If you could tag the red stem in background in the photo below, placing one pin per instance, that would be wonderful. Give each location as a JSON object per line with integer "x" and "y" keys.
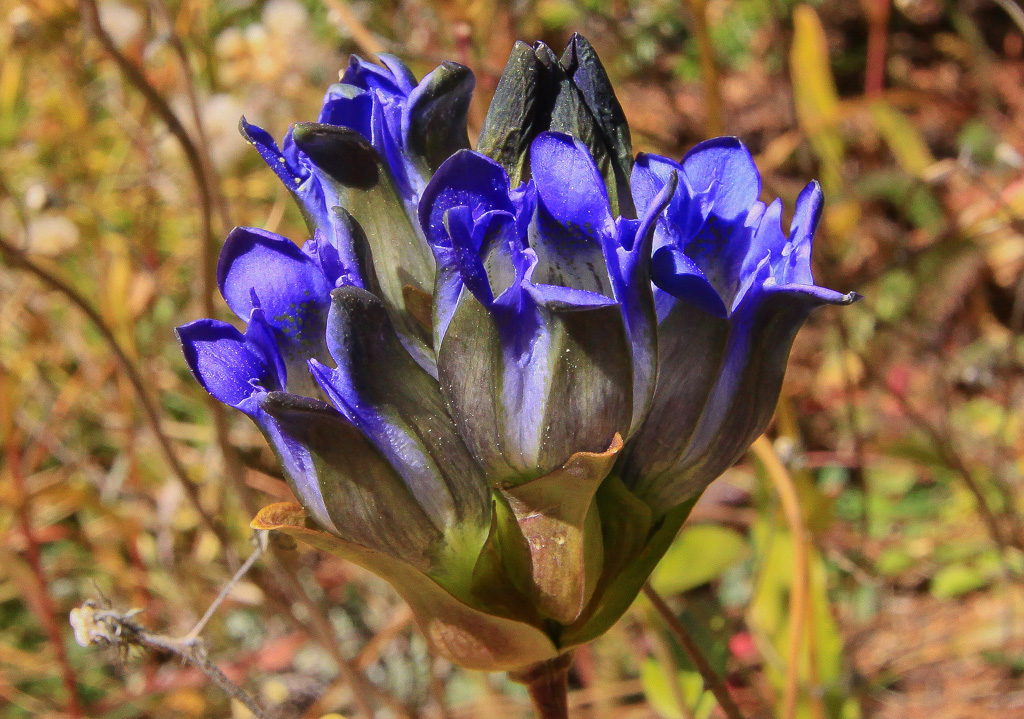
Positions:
{"x": 711, "y": 680}
{"x": 38, "y": 596}
{"x": 877, "y": 12}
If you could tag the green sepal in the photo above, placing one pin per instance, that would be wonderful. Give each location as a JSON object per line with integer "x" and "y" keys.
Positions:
{"x": 501, "y": 577}
{"x": 365, "y": 189}
{"x": 364, "y": 496}
{"x": 537, "y": 92}
{"x": 571, "y": 114}
{"x": 436, "y": 116}
{"x": 584, "y": 68}
{"x": 508, "y": 126}
{"x": 616, "y": 593}
{"x": 458, "y": 632}
{"x": 588, "y": 383}
{"x": 626, "y": 524}
{"x": 387, "y": 387}
{"x": 562, "y": 526}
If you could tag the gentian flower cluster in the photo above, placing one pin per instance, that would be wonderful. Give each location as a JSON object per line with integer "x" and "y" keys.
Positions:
{"x": 501, "y": 378}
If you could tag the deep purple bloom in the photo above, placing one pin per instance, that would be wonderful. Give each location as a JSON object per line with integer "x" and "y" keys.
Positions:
{"x": 536, "y": 297}
{"x": 412, "y": 126}
{"x": 501, "y": 380}
{"x": 731, "y": 290}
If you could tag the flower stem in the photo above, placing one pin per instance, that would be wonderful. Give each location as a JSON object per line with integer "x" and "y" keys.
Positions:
{"x": 548, "y": 684}
{"x": 711, "y": 680}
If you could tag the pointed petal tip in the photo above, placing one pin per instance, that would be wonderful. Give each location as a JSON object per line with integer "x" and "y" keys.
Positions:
{"x": 245, "y": 128}
{"x": 614, "y": 448}
{"x": 816, "y": 294}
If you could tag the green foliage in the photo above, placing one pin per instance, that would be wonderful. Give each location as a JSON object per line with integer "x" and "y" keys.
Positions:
{"x": 701, "y": 553}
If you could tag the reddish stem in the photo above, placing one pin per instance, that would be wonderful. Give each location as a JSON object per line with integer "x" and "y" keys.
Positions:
{"x": 877, "y": 12}
{"x": 548, "y": 684}
{"x": 40, "y": 600}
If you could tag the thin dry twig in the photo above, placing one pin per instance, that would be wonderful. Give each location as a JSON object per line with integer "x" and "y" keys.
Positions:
{"x": 17, "y": 258}
{"x": 90, "y": 13}
{"x": 199, "y": 165}
{"x": 401, "y": 619}
{"x": 96, "y": 623}
{"x": 261, "y": 538}
{"x": 318, "y": 626}
{"x": 943, "y": 447}
{"x": 1012, "y": 9}
{"x": 711, "y": 679}
{"x": 355, "y": 27}
{"x": 877, "y": 12}
{"x": 201, "y": 140}
{"x": 320, "y": 630}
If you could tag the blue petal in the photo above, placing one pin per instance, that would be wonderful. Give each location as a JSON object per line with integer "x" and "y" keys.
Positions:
{"x": 338, "y": 255}
{"x": 631, "y": 279}
{"x": 678, "y": 275}
{"x": 574, "y": 233}
{"x": 813, "y": 294}
{"x": 569, "y": 184}
{"x": 566, "y": 299}
{"x": 261, "y": 269}
{"x": 299, "y": 466}
{"x": 369, "y": 76}
{"x": 243, "y": 371}
{"x": 293, "y": 170}
{"x": 229, "y": 365}
{"x": 290, "y": 286}
{"x": 797, "y": 264}
{"x": 389, "y": 140}
{"x": 767, "y": 243}
{"x": 468, "y": 179}
{"x": 290, "y": 174}
{"x": 402, "y": 75}
{"x": 649, "y": 175}
{"x": 377, "y": 116}
{"x": 682, "y": 217}
{"x": 348, "y": 109}
{"x": 723, "y": 169}
{"x": 722, "y": 174}
{"x": 325, "y": 255}
{"x": 465, "y": 252}
{"x": 500, "y": 239}
{"x": 483, "y": 253}
{"x": 261, "y": 335}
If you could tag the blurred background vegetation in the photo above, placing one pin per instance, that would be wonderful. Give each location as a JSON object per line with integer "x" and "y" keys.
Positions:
{"x": 892, "y": 587}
